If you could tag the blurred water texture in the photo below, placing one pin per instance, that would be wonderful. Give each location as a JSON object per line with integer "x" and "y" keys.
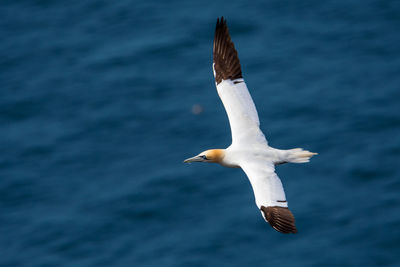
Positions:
{"x": 96, "y": 117}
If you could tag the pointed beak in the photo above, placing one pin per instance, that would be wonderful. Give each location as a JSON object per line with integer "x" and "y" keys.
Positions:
{"x": 194, "y": 159}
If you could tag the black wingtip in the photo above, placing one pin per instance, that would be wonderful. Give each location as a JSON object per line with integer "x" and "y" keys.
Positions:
{"x": 280, "y": 218}
{"x": 221, "y": 20}
{"x": 225, "y": 56}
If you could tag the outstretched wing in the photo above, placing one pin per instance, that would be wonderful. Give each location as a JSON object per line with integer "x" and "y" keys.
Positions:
{"x": 232, "y": 89}
{"x": 269, "y": 195}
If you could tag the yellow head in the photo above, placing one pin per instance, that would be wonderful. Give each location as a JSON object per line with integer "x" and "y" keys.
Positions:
{"x": 212, "y": 156}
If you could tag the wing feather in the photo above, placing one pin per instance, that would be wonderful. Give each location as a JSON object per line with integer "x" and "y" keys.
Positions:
{"x": 269, "y": 195}
{"x": 232, "y": 89}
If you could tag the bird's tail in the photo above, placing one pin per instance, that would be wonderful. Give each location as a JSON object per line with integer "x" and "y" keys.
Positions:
{"x": 298, "y": 155}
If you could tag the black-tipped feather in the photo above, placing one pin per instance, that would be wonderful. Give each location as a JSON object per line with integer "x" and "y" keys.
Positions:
{"x": 225, "y": 56}
{"x": 280, "y": 218}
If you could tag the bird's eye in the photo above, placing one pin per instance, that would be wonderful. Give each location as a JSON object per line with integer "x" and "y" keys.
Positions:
{"x": 203, "y": 157}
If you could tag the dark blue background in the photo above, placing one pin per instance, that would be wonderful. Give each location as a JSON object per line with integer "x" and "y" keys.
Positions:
{"x": 96, "y": 118}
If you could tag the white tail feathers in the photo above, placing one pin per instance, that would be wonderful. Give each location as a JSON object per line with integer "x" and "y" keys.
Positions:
{"x": 298, "y": 155}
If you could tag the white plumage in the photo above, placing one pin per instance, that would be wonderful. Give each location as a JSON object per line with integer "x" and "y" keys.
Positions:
{"x": 249, "y": 149}
{"x": 241, "y": 111}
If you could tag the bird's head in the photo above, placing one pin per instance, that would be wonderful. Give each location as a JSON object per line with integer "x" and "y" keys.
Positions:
{"x": 212, "y": 156}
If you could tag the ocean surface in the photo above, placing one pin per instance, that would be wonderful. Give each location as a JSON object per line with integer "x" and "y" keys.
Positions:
{"x": 101, "y": 101}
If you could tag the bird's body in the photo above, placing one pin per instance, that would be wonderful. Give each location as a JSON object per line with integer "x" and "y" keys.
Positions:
{"x": 249, "y": 149}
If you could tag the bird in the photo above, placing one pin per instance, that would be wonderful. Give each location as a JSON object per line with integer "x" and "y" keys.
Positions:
{"x": 249, "y": 149}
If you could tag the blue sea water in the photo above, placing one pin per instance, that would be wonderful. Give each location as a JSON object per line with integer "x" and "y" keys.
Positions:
{"x": 102, "y": 100}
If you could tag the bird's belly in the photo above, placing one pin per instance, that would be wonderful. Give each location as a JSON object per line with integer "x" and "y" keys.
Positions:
{"x": 235, "y": 155}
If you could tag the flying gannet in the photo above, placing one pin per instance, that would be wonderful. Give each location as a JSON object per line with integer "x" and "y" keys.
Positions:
{"x": 249, "y": 149}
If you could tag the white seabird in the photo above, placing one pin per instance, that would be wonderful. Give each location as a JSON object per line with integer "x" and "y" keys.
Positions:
{"x": 249, "y": 149}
